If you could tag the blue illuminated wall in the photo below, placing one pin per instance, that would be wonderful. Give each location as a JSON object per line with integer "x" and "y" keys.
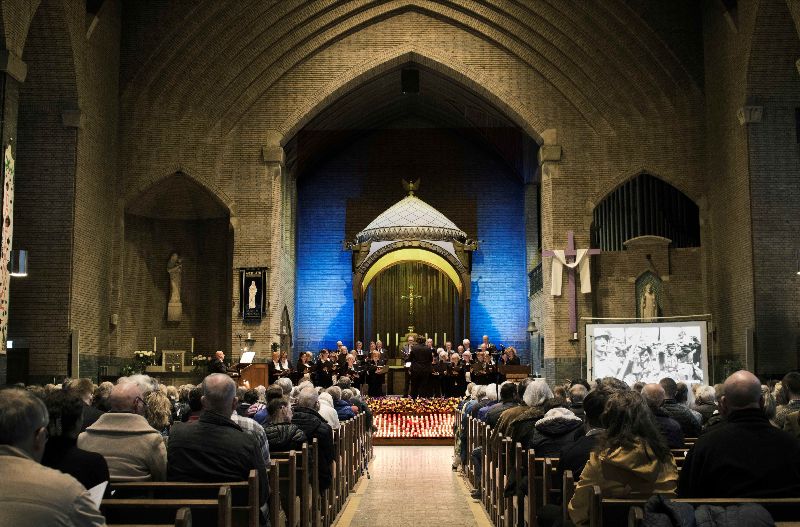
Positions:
{"x": 468, "y": 184}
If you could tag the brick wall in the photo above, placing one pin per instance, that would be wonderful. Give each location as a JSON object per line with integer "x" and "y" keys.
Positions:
{"x": 468, "y": 185}
{"x": 96, "y": 194}
{"x": 774, "y": 146}
{"x": 203, "y": 245}
{"x": 44, "y": 196}
{"x": 728, "y": 219}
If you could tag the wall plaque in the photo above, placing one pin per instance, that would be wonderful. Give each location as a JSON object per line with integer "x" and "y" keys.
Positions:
{"x": 252, "y": 294}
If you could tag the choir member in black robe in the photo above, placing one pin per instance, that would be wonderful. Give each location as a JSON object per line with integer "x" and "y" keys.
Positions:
{"x": 480, "y": 371}
{"x": 324, "y": 370}
{"x": 274, "y": 369}
{"x": 376, "y": 374}
{"x": 456, "y": 383}
{"x": 304, "y": 367}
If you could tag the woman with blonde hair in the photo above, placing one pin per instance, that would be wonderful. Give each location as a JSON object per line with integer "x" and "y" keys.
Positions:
{"x": 158, "y": 412}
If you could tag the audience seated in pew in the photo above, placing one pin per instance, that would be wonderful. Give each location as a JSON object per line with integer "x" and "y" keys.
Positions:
{"x": 577, "y": 393}
{"x": 133, "y": 449}
{"x": 554, "y": 431}
{"x": 631, "y": 456}
{"x": 32, "y": 495}
{"x": 690, "y": 425}
{"x": 575, "y": 455}
{"x": 282, "y": 434}
{"x": 654, "y": 396}
{"x": 215, "y": 449}
{"x": 313, "y": 425}
{"x": 743, "y": 456}
{"x": 62, "y": 453}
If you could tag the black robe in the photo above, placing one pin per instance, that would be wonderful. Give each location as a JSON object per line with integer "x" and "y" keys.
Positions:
{"x": 421, "y": 359}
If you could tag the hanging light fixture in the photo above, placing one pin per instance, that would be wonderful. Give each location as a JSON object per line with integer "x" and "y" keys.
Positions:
{"x": 18, "y": 264}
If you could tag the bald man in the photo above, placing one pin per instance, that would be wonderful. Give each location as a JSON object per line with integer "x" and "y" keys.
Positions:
{"x": 744, "y": 456}
{"x": 133, "y": 450}
{"x": 215, "y": 449}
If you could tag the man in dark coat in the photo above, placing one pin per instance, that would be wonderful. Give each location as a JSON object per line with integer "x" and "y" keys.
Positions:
{"x": 214, "y": 448}
{"x": 744, "y": 456}
{"x": 313, "y": 425}
{"x": 654, "y": 397}
{"x": 508, "y": 400}
{"x": 690, "y": 426}
{"x": 574, "y": 457}
{"x": 421, "y": 358}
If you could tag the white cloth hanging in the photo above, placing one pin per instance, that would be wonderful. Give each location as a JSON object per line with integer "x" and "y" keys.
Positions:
{"x": 581, "y": 262}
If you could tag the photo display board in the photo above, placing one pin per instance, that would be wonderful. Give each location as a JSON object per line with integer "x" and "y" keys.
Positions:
{"x": 648, "y": 352}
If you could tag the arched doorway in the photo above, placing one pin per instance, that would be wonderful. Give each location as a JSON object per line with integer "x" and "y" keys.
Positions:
{"x": 412, "y": 296}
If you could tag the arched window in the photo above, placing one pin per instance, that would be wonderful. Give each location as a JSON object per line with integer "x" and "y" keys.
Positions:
{"x": 642, "y": 206}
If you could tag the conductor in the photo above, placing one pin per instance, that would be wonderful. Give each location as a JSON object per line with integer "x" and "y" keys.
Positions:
{"x": 421, "y": 358}
{"x": 217, "y": 364}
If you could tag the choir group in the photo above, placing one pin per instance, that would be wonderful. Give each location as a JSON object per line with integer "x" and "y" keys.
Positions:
{"x": 451, "y": 369}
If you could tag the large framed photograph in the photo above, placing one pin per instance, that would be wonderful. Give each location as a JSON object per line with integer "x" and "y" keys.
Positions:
{"x": 252, "y": 293}
{"x": 648, "y": 352}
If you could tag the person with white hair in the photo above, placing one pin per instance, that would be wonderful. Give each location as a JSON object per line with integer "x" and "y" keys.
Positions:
{"x": 145, "y": 383}
{"x": 536, "y": 396}
{"x": 133, "y": 449}
{"x": 467, "y": 348}
{"x": 286, "y": 385}
{"x": 705, "y": 402}
{"x": 307, "y": 418}
{"x": 327, "y": 410}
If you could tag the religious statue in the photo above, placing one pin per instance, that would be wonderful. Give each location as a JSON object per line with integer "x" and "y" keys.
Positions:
{"x": 251, "y": 295}
{"x": 648, "y": 306}
{"x": 174, "y": 269}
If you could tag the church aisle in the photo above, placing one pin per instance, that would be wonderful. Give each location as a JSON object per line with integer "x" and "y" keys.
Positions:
{"x": 412, "y": 486}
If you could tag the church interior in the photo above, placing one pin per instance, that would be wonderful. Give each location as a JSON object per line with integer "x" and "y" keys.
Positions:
{"x": 193, "y": 177}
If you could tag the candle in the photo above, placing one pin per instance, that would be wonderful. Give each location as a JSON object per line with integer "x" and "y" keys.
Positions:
{"x": 192, "y": 348}
{"x": 249, "y": 335}
{"x": 378, "y": 337}
{"x": 387, "y": 338}
{"x": 396, "y": 339}
{"x": 426, "y": 336}
{"x": 444, "y": 337}
{"x": 435, "y": 339}
{"x": 154, "y": 344}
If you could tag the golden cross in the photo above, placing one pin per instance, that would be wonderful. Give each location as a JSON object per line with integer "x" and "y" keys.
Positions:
{"x": 410, "y": 297}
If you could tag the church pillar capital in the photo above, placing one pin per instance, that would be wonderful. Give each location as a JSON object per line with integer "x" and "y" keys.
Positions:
{"x": 749, "y": 114}
{"x": 12, "y": 65}
{"x": 549, "y": 154}
{"x": 272, "y": 152}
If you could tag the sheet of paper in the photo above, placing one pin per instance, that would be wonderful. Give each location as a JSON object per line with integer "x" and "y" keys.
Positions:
{"x": 97, "y": 492}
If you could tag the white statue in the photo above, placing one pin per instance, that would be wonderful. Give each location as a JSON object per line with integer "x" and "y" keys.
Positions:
{"x": 648, "y": 306}
{"x": 174, "y": 269}
{"x": 252, "y": 290}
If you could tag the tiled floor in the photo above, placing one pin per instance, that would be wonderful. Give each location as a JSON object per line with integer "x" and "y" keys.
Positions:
{"x": 412, "y": 486}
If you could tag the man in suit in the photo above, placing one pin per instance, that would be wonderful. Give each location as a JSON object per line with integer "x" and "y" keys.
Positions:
{"x": 421, "y": 358}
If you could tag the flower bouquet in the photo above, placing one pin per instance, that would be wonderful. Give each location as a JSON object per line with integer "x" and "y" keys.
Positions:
{"x": 199, "y": 362}
{"x": 142, "y": 359}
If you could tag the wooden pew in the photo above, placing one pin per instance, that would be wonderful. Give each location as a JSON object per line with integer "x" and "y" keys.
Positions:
{"x": 567, "y": 491}
{"x": 183, "y": 518}
{"x": 145, "y": 511}
{"x": 286, "y": 465}
{"x": 244, "y": 494}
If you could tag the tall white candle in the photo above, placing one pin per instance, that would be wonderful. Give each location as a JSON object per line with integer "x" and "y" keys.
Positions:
{"x": 249, "y": 335}
{"x": 154, "y": 344}
{"x": 192, "y": 350}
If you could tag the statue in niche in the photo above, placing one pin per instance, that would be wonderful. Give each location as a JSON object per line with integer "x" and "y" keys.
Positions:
{"x": 174, "y": 269}
{"x": 251, "y": 295}
{"x": 648, "y": 305}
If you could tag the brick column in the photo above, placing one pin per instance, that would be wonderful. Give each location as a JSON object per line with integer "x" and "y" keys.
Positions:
{"x": 562, "y": 210}
{"x": 12, "y": 74}
{"x": 254, "y": 242}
